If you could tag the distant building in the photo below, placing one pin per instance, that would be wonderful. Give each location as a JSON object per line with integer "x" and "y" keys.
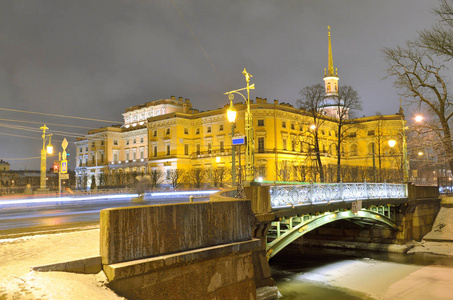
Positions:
{"x": 4, "y": 165}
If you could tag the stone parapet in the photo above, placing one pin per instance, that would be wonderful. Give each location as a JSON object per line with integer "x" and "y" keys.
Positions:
{"x": 146, "y": 231}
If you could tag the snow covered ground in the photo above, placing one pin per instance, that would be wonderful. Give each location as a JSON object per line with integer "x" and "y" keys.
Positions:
{"x": 19, "y": 254}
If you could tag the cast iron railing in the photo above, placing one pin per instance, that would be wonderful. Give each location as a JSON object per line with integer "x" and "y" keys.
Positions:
{"x": 314, "y": 193}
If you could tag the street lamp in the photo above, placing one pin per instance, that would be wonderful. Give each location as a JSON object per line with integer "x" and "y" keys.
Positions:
{"x": 44, "y": 151}
{"x": 250, "y": 145}
{"x": 404, "y": 163}
{"x": 392, "y": 143}
{"x": 418, "y": 118}
{"x": 231, "y": 114}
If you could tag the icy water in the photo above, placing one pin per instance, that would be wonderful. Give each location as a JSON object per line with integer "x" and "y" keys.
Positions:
{"x": 308, "y": 274}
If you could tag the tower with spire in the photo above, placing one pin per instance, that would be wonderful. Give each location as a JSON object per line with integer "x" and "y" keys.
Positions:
{"x": 330, "y": 107}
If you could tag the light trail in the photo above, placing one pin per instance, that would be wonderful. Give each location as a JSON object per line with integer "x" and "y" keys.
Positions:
{"x": 188, "y": 193}
{"x": 64, "y": 199}
{"x": 98, "y": 197}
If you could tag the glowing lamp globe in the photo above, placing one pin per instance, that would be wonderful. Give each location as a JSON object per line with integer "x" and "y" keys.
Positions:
{"x": 231, "y": 113}
{"x": 392, "y": 143}
{"x": 49, "y": 149}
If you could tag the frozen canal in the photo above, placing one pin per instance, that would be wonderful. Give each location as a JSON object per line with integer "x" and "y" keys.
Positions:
{"x": 329, "y": 274}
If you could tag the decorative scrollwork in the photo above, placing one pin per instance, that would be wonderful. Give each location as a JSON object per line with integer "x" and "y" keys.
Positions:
{"x": 284, "y": 195}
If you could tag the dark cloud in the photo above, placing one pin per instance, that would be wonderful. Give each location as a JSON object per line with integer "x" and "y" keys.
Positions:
{"x": 94, "y": 58}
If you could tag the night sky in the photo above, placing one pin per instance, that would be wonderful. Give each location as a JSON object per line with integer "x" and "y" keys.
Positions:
{"x": 92, "y": 59}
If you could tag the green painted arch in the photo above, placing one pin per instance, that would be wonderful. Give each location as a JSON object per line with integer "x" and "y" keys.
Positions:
{"x": 284, "y": 240}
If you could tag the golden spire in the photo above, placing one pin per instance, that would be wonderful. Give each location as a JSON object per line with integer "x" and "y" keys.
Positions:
{"x": 330, "y": 69}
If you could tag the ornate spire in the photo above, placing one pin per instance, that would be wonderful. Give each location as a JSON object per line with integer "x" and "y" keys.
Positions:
{"x": 330, "y": 68}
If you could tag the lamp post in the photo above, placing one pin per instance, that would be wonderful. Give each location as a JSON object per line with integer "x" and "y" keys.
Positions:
{"x": 231, "y": 114}
{"x": 44, "y": 151}
{"x": 405, "y": 160}
{"x": 250, "y": 144}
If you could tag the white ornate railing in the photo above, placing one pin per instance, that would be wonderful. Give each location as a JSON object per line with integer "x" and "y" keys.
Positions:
{"x": 284, "y": 195}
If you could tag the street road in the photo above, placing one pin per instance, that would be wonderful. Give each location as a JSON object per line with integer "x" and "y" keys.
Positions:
{"x": 43, "y": 214}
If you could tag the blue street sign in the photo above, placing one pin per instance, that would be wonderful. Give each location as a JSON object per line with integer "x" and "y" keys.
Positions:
{"x": 239, "y": 140}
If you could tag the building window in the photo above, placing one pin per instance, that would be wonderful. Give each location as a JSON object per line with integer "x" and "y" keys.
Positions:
{"x": 186, "y": 149}
{"x": 260, "y": 144}
{"x": 353, "y": 150}
{"x": 92, "y": 144}
{"x": 80, "y": 161}
{"x": 168, "y": 174}
{"x": 134, "y": 154}
{"x": 155, "y": 151}
{"x": 168, "y": 149}
{"x": 209, "y": 147}
{"x": 102, "y": 143}
{"x": 198, "y": 149}
{"x": 141, "y": 139}
{"x": 293, "y": 145}
{"x": 186, "y": 130}
{"x": 127, "y": 155}
{"x": 115, "y": 157}
{"x": 102, "y": 157}
{"x": 352, "y": 134}
{"x": 115, "y": 142}
{"x": 283, "y": 124}
{"x": 155, "y": 133}
{"x": 127, "y": 142}
{"x": 222, "y": 146}
{"x": 370, "y": 132}
{"x": 142, "y": 153}
{"x": 208, "y": 130}
{"x": 167, "y": 132}
{"x": 134, "y": 141}
{"x": 92, "y": 159}
{"x": 86, "y": 148}
{"x": 221, "y": 127}
{"x": 262, "y": 171}
{"x": 371, "y": 148}
{"x": 323, "y": 132}
{"x": 80, "y": 149}
{"x": 261, "y": 122}
{"x": 284, "y": 144}
{"x": 292, "y": 126}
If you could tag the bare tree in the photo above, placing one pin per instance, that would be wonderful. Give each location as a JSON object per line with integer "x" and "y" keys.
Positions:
{"x": 175, "y": 176}
{"x": 197, "y": 176}
{"x": 439, "y": 38}
{"x": 285, "y": 168}
{"x": 219, "y": 175}
{"x": 156, "y": 177}
{"x": 422, "y": 80}
{"x": 347, "y": 103}
{"x": 312, "y": 101}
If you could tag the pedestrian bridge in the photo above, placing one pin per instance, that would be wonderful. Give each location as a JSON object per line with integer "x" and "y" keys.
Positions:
{"x": 303, "y": 208}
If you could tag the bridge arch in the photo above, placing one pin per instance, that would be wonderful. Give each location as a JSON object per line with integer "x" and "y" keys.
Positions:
{"x": 296, "y": 232}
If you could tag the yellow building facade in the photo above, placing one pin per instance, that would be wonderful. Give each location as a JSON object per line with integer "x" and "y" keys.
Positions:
{"x": 283, "y": 144}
